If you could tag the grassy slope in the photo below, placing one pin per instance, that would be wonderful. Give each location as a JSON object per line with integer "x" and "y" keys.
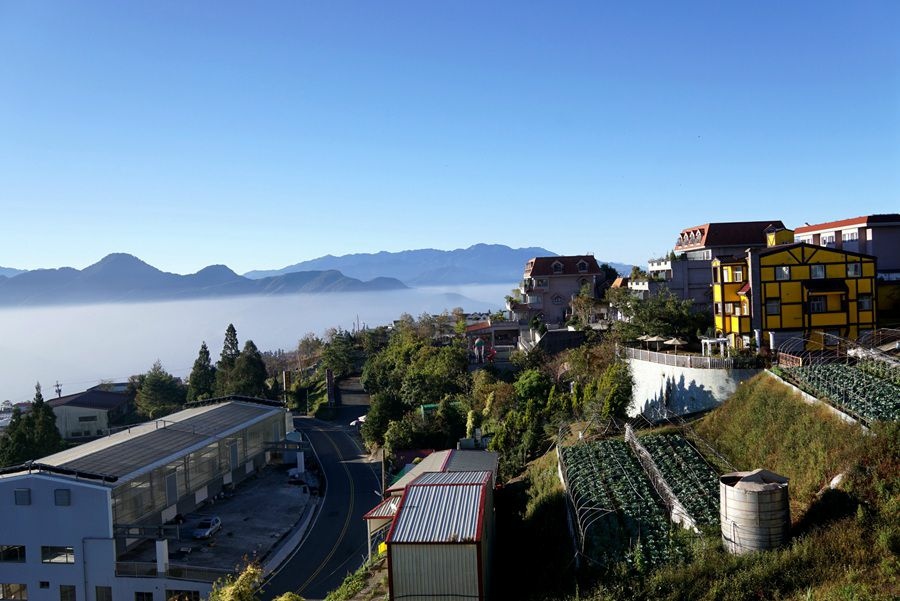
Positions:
{"x": 764, "y": 424}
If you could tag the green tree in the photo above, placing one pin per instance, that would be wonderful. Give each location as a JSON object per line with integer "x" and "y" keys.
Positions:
{"x": 202, "y": 381}
{"x": 339, "y": 354}
{"x": 32, "y": 435}
{"x": 159, "y": 392}
{"x": 248, "y": 376}
{"x": 230, "y": 353}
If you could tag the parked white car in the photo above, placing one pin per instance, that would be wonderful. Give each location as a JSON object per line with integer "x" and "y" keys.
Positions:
{"x": 207, "y": 527}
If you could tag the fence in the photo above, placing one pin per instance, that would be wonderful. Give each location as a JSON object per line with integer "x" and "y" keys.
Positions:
{"x": 696, "y": 361}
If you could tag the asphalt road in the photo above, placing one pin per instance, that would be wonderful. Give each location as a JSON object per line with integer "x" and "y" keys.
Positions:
{"x": 335, "y": 545}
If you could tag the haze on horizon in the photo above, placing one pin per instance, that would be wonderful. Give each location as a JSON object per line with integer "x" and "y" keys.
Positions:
{"x": 191, "y": 134}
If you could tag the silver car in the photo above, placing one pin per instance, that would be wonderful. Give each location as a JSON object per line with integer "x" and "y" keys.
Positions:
{"x": 207, "y": 527}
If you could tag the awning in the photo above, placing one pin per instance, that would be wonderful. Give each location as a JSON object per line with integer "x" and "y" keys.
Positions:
{"x": 745, "y": 289}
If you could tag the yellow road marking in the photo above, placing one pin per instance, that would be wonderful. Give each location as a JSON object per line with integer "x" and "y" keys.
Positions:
{"x": 340, "y": 538}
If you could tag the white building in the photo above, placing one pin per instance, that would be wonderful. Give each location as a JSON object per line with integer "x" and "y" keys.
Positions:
{"x": 68, "y": 517}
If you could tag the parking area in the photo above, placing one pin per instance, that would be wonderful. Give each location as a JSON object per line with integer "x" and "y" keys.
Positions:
{"x": 255, "y": 518}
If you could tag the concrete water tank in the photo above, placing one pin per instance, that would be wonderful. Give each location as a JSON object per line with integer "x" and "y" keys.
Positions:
{"x": 754, "y": 510}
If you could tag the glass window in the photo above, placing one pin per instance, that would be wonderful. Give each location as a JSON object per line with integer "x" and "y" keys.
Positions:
{"x": 62, "y": 496}
{"x": 67, "y": 592}
{"x": 773, "y": 307}
{"x": 729, "y": 309}
{"x": 103, "y": 593}
{"x": 818, "y": 304}
{"x": 57, "y": 555}
{"x": 557, "y": 267}
{"x": 143, "y": 596}
{"x": 13, "y": 591}
{"x": 854, "y": 270}
{"x": 817, "y": 272}
{"x": 738, "y": 274}
{"x": 865, "y": 302}
{"x": 23, "y": 496}
{"x": 716, "y": 275}
{"x": 849, "y": 236}
{"x": 783, "y": 272}
{"x": 87, "y": 418}
{"x": 582, "y": 266}
{"x": 12, "y": 553}
{"x": 718, "y": 308}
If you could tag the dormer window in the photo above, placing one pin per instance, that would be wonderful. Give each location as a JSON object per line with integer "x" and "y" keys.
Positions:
{"x": 557, "y": 267}
{"x": 557, "y": 299}
{"x": 582, "y": 266}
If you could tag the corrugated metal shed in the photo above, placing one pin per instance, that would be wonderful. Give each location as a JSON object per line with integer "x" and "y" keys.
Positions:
{"x": 439, "y": 514}
{"x": 450, "y": 461}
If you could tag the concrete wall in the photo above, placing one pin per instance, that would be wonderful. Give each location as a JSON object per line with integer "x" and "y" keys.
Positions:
{"x": 681, "y": 389}
{"x": 44, "y": 523}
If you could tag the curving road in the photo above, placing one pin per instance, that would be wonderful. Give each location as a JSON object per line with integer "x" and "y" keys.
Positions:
{"x": 336, "y": 542}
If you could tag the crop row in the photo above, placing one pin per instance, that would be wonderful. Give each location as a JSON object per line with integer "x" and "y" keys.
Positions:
{"x": 870, "y": 397}
{"x": 606, "y": 474}
{"x": 880, "y": 369}
{"x": 689, "y": 476}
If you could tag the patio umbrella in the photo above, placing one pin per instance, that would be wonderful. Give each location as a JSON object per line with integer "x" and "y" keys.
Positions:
{"x": 656, "y": 339}
{"x": 676, "y": 342}
{"x": 643, "y": 338}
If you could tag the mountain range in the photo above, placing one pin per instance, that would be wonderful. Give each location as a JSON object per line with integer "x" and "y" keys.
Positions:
{"x": 121, "y": 277}
{"x": 478, "y": 264}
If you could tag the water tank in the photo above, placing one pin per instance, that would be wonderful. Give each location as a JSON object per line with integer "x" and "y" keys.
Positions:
{"x": 754, "y": 510}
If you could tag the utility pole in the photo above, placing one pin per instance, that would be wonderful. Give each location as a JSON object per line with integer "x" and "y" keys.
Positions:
{"x": 58, "y": 388}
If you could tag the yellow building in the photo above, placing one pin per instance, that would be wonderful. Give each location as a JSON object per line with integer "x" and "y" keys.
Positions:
{"x": 795, "y": 290}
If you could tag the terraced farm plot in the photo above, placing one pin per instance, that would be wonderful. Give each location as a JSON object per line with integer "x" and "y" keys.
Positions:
{"x": 859, "y": 393}
{"x": 605, "y": 474}
{"x": 689, "y": 476}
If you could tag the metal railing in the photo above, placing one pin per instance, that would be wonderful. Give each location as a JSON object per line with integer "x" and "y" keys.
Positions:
{"x": 140, "y": 569}
{"x": 686, "y": 360}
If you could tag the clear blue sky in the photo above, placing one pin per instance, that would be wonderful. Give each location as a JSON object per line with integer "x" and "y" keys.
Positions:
{"x": 261, "y": 134}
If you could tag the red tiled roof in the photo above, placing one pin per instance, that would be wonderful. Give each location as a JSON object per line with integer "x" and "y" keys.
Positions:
{"x": 476, "y": 327}
{"x": 857, "y": 221}
{"x": 729, "y": 234}
{"x": 544, "y": 266}
{"x": 744, "y": 289}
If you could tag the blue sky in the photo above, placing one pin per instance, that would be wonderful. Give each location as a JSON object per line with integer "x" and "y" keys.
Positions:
{"x": 261, "y": 134}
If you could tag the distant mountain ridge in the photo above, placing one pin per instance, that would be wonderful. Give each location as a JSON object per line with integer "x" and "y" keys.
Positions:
{"x": 124, "y": 278}
{"x": 10, "y": 272}
{"x": 478, "y": 264}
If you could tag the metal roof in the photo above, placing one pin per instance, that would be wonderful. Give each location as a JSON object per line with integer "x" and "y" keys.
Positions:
{"x": 385, "y": 509}
{"x": 129, "y": 453}
{"x": 439, "y": 514}
{"x": 450, "y": 461}
{"x": 435, "y": 478}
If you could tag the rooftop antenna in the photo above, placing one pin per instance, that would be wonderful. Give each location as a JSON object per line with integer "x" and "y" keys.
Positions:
{"x": 58, "y": 388}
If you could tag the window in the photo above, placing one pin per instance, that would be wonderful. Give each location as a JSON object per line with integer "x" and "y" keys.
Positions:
{"x": 865, "y": 302}
{"x": 57, "y": 555}
{"x": 817, "y": 272}
{"x": 729, "y": 309}
{"x": 66, "y": 592}
{"x": 182, "y": 595}
{"x": 715, "y": 275}
{"x": 557, "y": 267}
{"x": 582, "y": 266}
{"x": 87, "y": 418}
{"x": 828, "y": 240}
{"x": 12, "y": 553}
{"x": 718, "y": 308}
{"x": 103, "y": 593}
{"x": 854, "y": 270}
{"x": 783, "y": 272}
{"x": 818, "y": 304}
{"x": 557, "y": 300}
{"x": 62, "y": 497}
{"x": 13, "y": 591}
{"x": 23, "y": 496}
{"x": 850, "y": 236}
{"x": 142, "y": 596}
{"x": 773, "y": 307}
{"x": 738, "y": 274}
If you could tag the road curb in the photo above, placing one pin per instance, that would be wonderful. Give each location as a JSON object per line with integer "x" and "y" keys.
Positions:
{"x": 292, "y": 541}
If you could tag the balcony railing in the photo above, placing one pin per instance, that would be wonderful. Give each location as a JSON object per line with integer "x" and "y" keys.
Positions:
{"x": 139, "y": 569}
